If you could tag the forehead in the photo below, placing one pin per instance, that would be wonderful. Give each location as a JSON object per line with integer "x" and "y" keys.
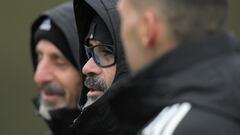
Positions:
{"x": 46, "y": 46}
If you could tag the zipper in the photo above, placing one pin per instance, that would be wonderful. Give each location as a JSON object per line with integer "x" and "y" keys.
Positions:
{"x": 77, "y": 120}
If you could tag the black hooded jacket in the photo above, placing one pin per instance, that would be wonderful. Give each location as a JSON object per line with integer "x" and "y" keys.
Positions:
{"x": 97, "y": 118}
{"x": 204, "y": 73}
{"x": 63, "y": 17}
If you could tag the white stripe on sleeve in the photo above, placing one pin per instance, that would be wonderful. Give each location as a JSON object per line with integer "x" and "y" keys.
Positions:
{"x": 172, "y": 125}
{"x": 167, "y": 120}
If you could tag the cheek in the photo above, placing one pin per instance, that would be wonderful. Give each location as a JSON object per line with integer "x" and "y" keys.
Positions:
{"x": 126, "y": 27}
{"x": 74, "y": 86}
{"x": 126, "y": 37}
{"x": 71, "y": 84}
{"x": 129, "y": 36}
{"x": 110, "y": 75}
{"x": 130, "y": 28}
{"x": 124, "y": 31}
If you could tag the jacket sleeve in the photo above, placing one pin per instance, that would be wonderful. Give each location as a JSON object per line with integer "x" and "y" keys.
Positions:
{"x": 184, "y": 119}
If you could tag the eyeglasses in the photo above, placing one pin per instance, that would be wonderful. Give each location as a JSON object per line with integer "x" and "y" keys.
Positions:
{"x": 103, "y": 54}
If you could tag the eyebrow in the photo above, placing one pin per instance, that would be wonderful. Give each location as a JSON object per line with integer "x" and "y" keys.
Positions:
{"x": 51, "y": 55}
{"x": 94, "y": 42}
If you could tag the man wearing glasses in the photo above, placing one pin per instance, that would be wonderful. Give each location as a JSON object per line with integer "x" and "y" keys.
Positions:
{"x": 99, "y": 33}
{"x": 100, "y": 68}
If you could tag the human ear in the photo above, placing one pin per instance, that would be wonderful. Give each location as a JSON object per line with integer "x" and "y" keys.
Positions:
{"x": 148, "y": 29}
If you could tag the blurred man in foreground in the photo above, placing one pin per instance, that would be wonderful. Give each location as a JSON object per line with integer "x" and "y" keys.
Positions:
{"x": 185, "y": 69}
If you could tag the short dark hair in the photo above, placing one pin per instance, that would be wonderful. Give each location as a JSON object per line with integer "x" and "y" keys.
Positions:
{"x": 190, "y": 18}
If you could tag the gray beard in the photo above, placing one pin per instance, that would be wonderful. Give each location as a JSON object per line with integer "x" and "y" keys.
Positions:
{"x": 95, "y": 83}
{"x": 45, "y": 108}
{"x": 90, "y": 100}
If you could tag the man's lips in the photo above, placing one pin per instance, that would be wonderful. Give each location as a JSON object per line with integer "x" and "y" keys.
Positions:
{"x": 51, "y": 97}
{"x": 94, "y": 93}
{"x": 53, "y": 92}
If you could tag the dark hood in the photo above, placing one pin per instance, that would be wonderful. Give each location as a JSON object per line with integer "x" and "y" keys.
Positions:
{"x": 63, "y": 17}
{"x": 85, "y": 10}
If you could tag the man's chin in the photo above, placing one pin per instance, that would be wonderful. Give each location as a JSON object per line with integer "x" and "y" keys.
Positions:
{"x": 91, "y": 100}
{"x": 46, "y": 107}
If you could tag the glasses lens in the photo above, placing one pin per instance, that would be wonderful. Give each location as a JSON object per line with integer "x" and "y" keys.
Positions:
{"x": 103, "y": 55}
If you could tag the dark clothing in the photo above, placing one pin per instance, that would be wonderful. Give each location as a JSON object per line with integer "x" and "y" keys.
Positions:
{"x": 61, "y": 120}
{"x": 97, "y": 119}
{"x": 84, "y": 11}
{"x": 50, "y": 31}
{"x": 200, "y": 77}
{"x": 63, "y": 17}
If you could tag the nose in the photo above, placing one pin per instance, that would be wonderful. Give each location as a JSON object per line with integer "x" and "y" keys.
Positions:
{"x": 43, "y": 73}
{"x": 91, "y": 68}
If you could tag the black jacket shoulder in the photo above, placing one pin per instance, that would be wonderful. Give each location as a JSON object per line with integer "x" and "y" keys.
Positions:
{"x": 204, "y": 73}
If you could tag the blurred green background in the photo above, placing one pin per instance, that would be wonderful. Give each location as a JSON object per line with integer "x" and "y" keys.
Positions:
{"x": 17, "y": 88}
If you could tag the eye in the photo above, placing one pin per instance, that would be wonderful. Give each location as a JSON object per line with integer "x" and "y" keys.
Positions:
{"x": 59, "y": 60}
{"x": 103, "y": 50}
{"x": 107, "y": 51}
{"x": 39, "y": 56}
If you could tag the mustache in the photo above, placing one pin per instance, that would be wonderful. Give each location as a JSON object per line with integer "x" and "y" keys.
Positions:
{"x": 52, "y": 88}
{"x": 95, "y": 83}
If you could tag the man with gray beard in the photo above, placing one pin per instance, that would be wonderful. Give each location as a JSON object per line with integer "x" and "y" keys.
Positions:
{"x": 100, "y": 68}
{"x": 94, "y": 83}
{"x": 54, "y": 45}
{"x": 99, "y": 34}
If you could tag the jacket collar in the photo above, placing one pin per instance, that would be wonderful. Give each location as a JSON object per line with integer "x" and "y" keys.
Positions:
{"x": 191, "y": 53}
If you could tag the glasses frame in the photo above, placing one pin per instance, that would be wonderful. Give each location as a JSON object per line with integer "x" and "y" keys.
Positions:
{"x": 89, "y": 50}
